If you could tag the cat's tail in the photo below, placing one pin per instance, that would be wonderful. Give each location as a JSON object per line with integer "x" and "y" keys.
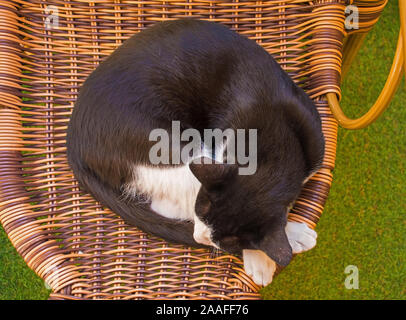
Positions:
{"x": 136, "y": 213}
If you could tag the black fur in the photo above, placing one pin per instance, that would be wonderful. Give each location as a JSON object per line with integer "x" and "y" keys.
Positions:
{"x": 205, "y": 76}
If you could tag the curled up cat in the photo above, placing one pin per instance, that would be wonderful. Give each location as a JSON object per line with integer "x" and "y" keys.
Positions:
{"x": 187, "y": 78}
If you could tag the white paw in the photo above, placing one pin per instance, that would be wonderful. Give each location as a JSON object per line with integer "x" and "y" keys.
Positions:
{"x": 259, "y": 266}
{"x": 301, "y": 237}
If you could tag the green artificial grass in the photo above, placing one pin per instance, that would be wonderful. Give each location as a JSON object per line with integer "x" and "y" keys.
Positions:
{"x": 17, "y": 281}
{"x": 363, "y": 223}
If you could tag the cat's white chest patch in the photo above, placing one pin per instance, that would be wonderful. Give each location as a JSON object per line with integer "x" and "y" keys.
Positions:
{"x": 171, "y": 190}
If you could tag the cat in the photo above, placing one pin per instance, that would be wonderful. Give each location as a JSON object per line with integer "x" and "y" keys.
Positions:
{"x": 205, "y": 76}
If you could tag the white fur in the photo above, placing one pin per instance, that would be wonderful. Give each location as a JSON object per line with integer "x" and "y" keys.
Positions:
{"x": 202, "y": 233}
{"x": 259, "y": 266}
{"x": 301, "y": 237}
{"x": 172, "y": 190}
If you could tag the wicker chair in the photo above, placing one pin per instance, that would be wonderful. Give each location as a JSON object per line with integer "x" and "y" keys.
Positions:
{"x": 81, "y": 249}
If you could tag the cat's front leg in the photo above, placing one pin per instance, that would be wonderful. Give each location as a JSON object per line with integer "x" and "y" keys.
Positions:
{"x": 259, "y": 266}
{"x": 301, "y": 237}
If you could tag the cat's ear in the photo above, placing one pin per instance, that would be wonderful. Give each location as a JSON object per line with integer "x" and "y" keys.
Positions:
{"x": 211, "y": 173}
{"x": 276, "y": 245}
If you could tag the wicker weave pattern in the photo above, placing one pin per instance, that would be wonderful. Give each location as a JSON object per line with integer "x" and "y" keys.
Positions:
{"x": 80, "y": 248}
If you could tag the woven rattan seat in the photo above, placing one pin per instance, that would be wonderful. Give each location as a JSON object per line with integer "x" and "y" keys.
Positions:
{"x": 81, "y": 249}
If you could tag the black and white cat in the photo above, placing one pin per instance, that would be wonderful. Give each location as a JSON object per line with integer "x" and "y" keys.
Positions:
{"x": 204, "y": 76}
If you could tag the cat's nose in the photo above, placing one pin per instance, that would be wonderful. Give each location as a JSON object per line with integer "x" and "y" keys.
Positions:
{"x": 230, "y": 244}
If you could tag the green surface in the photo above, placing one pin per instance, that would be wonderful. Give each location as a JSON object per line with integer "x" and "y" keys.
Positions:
{"x": 364, "y": 220}
{"x": 17, "y": 281}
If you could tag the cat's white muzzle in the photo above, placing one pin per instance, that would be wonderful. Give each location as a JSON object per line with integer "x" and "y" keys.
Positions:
{"x": 202, "y": 233}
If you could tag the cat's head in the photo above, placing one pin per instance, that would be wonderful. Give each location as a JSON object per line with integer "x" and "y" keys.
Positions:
{"x": 244, "y": 212}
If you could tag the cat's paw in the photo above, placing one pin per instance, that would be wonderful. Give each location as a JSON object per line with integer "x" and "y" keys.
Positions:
{"x": 301, "y": 237}
{"x": 259, "y": 266}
